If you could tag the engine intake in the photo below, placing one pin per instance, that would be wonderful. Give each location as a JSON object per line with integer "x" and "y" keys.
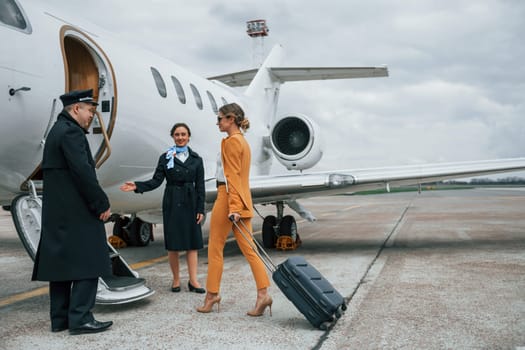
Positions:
{"x": 295, "y": 141}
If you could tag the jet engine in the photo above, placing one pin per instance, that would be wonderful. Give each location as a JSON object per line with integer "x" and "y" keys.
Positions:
{"x": 296, "y": 142}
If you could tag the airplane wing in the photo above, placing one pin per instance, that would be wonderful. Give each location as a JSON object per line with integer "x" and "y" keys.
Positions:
{"x": 285, "y": 74}
{"x": 290, "y": 187}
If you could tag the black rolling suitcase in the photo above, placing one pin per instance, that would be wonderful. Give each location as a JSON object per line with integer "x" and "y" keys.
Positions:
{"x": 304, "y": 286}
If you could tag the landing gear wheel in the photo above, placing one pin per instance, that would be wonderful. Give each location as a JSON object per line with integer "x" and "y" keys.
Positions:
{"x": 118, "y": 227}
{"x": 145, "y": 233}
{"x": 139, "y": 232}
{"x": 268, "y": 232}
{"x": 288, "y": 227}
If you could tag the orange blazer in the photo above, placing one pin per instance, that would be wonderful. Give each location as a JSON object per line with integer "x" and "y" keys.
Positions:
{"x": 236, "y": 160}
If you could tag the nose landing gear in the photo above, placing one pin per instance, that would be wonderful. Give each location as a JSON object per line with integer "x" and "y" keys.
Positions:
{"x": 133, "y": 231}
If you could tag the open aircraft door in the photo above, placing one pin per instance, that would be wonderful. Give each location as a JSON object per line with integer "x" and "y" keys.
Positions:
{"x": 86, "y": 66}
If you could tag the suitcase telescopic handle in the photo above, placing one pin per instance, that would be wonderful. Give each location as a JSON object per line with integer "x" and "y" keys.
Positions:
{"x": 255, "y": 245}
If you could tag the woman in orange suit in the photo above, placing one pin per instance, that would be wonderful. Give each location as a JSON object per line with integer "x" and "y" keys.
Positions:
{"x": 233, "y": 199}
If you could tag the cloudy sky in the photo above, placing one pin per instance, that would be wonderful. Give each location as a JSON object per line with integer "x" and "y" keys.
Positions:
{"x": 456, "y": 89}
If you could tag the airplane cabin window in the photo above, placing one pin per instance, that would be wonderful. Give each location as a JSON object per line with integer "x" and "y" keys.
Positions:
{"x": 161, "y": 86}
{"x": 179, "y": 89}
{"x": 213, "y": 103}
{"x": 198, "y": 99}
{"x": 11, "y": 15}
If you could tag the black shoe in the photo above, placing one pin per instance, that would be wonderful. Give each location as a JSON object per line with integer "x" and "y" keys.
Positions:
{"x": 58, "y": 329}
{"x": 91, "y": 327}
{"x": 175, "y": 289}
{"x": 195, "y": 289}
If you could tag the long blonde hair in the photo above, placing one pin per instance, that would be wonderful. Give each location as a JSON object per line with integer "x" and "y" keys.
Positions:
{"x": 234, "y": 110}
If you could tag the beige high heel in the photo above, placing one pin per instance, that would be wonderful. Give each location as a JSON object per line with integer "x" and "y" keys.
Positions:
{"x": 260, "y": 306}
{"x": 208, "y": 304}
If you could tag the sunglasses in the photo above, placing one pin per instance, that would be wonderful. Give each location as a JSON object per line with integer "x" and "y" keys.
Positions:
{"x": 220, "y": 118}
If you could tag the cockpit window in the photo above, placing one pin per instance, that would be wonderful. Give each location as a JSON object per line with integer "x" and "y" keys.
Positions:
{"x": 159, "y": 82}
{"x": 11, "y": 15}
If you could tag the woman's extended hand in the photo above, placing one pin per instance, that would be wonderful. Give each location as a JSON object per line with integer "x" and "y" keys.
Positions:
{"x": 128, "y": 187}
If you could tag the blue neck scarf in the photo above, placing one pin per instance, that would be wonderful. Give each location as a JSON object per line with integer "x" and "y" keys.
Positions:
{"x": 171, "y": 152}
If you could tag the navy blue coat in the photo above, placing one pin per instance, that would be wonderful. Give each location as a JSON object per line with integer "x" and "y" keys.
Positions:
{"x": 73, "y": 240}
{"x": 183, "y": 199}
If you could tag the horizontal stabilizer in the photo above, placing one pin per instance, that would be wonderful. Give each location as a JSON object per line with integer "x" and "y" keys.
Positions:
{"x": 236, "y": 79}
{"x": 285, "y": 74}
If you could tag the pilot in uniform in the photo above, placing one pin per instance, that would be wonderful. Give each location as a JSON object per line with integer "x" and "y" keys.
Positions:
{"x": 72, "y": 253}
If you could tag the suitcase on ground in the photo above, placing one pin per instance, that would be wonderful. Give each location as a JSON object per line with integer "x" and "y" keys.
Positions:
{"x": 304, "y": 286}
{"x": 309, "y": 291}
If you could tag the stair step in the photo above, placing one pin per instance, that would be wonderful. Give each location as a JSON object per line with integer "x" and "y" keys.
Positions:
{"x": 122, "y": 282}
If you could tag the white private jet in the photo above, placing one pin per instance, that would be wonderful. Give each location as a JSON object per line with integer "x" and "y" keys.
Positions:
{"x": 141, "y": 95}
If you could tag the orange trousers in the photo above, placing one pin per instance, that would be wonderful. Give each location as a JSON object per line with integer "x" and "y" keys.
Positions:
{"x": 220, "y": 227}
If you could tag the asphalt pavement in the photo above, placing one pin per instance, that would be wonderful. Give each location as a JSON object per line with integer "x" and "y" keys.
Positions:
{"x": 439, "y": 270}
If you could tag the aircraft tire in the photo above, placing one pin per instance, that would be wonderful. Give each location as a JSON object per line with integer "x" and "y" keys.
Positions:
{"x": 139, "y": 232}
{"x": 118, "y": 227}
{"x": 288, "y": 227}
{"x": 145, "y": 233}
{"x": 268, "y": 232}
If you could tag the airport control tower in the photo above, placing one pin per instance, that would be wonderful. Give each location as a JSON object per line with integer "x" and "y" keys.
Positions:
{"x": 257, "y": 30}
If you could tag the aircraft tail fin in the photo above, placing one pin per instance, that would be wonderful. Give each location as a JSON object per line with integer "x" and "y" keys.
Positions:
{"x": 263, "y": 85}
{"x": 246, "y": 77}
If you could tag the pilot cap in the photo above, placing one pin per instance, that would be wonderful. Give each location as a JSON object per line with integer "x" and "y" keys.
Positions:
{"x": 77, "y": 96}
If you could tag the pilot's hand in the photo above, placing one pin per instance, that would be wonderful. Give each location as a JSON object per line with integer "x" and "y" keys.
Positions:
{"x": 105, "y": 215}
{"x": 235, "y": 217}
{"x": 128, "y": 187}
{"x": 200, "y": 217}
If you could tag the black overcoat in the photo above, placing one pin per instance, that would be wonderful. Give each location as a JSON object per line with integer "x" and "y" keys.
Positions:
{"x": 73, "y": 240}
{"x": 183, "y": 199}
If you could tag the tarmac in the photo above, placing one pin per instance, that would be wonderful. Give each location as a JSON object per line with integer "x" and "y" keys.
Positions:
{"x": 436, "y": 270}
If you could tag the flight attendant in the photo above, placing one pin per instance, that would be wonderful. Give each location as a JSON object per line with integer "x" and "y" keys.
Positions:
{"x": 233, "y": 200}
{"x": 182, "y": 204}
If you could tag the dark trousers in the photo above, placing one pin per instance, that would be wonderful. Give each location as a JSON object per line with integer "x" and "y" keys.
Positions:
{"x": 71, "y": 302}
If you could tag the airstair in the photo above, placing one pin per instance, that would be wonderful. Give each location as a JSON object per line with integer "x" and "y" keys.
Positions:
{"x": 123, "y": 286}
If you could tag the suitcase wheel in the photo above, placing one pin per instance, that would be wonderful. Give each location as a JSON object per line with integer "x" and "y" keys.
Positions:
{"x": 338, "y": 313}
{"x": 324, "y": 326}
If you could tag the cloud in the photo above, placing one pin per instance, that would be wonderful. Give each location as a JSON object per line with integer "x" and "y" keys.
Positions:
{"x": 456, "y": 84}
